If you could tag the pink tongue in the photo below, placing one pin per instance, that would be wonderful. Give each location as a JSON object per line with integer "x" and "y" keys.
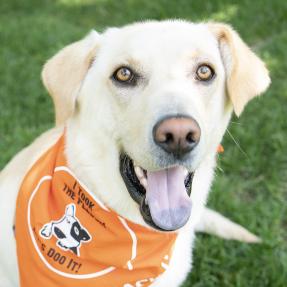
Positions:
{"x": 169, "y": 204}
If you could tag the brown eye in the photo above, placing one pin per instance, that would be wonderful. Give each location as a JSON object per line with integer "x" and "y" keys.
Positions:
{"x": 204, "y": 73}
{"x": 124, "y": 75}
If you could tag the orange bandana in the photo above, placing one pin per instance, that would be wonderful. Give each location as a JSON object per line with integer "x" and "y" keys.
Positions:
{"x": 66, "y": 237}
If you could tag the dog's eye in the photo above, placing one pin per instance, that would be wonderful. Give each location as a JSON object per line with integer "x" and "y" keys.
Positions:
{"x": 123, "y": 75}
{"x": 204, "y": 73}
{"x": 77, "y": 231}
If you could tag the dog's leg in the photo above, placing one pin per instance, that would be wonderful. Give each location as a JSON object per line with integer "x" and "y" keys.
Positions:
{"x": 214, "y": 223}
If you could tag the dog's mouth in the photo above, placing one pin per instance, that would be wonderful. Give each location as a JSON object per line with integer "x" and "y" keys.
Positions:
{"x": 163, "y": 196}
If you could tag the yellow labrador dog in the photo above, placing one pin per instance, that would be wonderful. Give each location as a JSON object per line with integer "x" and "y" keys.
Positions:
{"x": 142, "y": 110}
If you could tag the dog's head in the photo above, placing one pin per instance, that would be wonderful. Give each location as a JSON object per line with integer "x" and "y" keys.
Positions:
{"x": 161, "y": 94}
{"x": 70, "y": 229}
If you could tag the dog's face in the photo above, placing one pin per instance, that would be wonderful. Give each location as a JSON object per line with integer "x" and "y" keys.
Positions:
{"x": 67, "y": 230}
{"x": 163, "y": 93}
{"x": 155, "y": 72}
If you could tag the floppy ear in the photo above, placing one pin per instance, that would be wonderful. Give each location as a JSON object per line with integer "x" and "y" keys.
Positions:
{"x": 64, "y": 73}
{"x": 247, "y": 75}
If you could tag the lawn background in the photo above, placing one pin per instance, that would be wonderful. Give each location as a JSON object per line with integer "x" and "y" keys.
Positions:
{"x": 250, "y": 185}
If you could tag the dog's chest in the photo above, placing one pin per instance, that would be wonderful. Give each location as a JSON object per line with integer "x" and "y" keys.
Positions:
{"x": 65, "y": 234}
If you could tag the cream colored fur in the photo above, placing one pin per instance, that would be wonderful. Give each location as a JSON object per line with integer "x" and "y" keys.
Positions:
{"x": 102, "y": 119}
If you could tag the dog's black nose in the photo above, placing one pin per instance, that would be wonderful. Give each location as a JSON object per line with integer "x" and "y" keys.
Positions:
{"x": 177, "y": 135}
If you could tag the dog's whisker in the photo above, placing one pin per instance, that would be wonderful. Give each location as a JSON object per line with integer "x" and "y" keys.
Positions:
{"x": 235, "y": 123}
{"x": 220, "y": 169}
{"x": 237, "y": 143}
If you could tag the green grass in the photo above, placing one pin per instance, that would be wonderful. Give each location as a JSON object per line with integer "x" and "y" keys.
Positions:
{"x": 251, "y": 186}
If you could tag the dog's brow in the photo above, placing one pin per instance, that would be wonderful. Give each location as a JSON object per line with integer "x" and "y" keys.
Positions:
{"x": 131, "y": 62}
{"x": 194, "y": 54}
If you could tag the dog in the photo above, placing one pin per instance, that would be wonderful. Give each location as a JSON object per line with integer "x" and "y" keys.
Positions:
{"x": 68, "y": 230}
{"x": 140, "y": 111}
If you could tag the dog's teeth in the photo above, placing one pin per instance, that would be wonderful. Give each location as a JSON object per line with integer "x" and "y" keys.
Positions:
{"x": 144, "y": 182}
{"x": 186, "y": 172}
{"x": 139, "y": 172}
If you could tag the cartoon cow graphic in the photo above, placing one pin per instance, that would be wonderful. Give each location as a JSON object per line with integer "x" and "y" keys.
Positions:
{"x": 68, "y": 230}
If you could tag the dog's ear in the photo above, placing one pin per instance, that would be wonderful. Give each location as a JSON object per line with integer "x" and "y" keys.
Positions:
{"x": 64, "y": 73}
{"x": 246, "y": 74}
{"x": 70, "y": 210}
